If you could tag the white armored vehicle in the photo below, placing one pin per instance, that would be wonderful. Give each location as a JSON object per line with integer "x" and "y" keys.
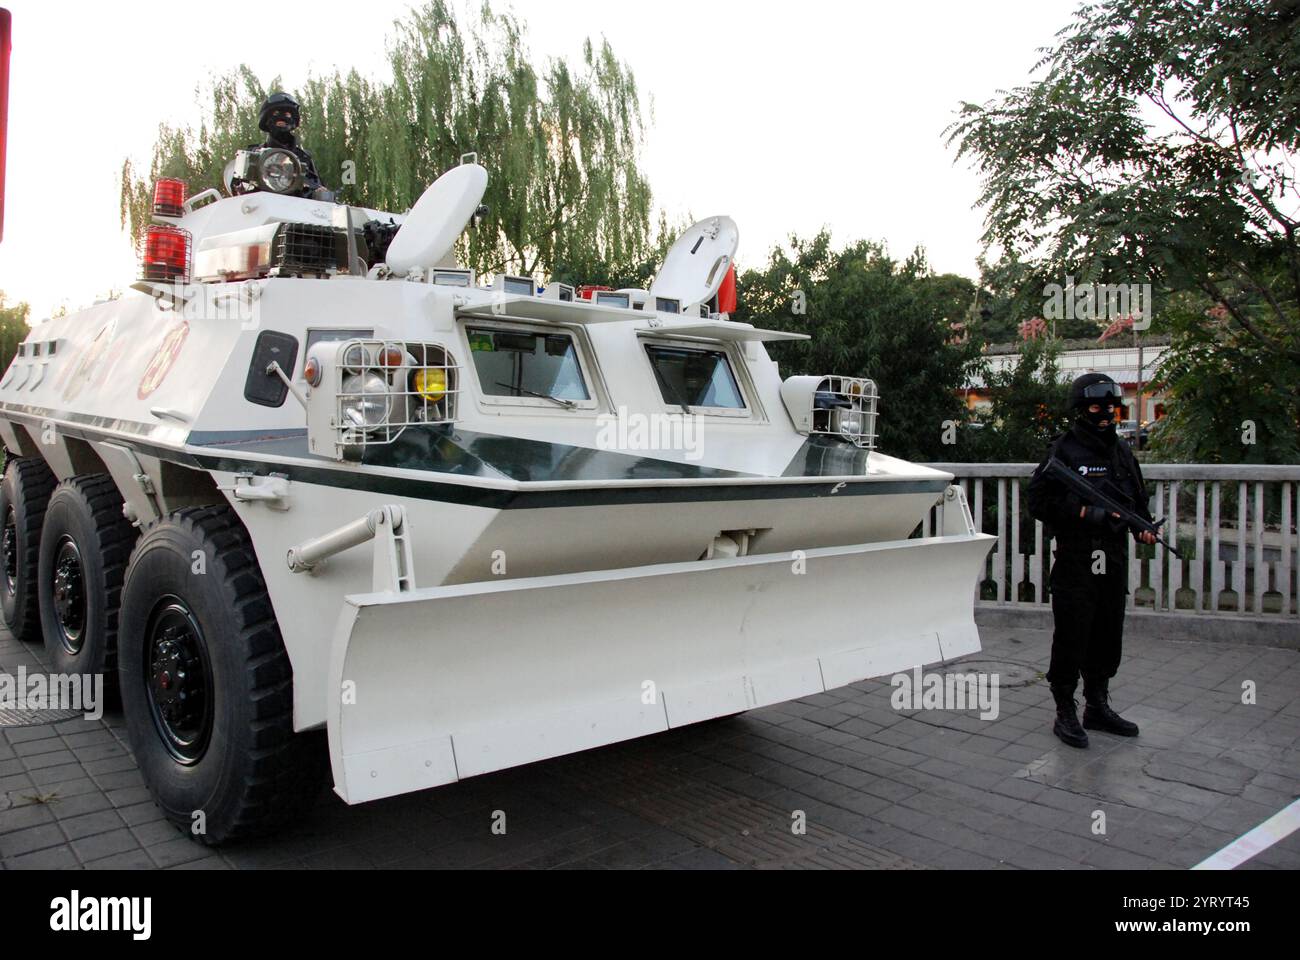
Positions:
{"x": 318, "y": 478}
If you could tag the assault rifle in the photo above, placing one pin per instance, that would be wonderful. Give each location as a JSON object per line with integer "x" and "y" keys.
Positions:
{"x": 1092, "y": 496}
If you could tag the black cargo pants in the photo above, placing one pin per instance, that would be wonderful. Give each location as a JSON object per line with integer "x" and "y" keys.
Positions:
{"x": 1088, "y": 610}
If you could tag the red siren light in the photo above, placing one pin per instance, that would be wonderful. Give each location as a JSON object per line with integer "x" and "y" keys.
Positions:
{"x": 169, "y": 198}
{"x": 165, "y": 254}
{"x": 587, "y": 290}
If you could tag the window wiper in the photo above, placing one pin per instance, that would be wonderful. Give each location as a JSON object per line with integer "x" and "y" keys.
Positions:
{"x": 566, "y": 404}
{"x": 677, "y": 394}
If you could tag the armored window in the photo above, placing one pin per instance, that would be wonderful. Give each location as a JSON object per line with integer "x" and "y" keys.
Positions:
{"x": 695, "y": 378}
{"x": 527, "y": 364}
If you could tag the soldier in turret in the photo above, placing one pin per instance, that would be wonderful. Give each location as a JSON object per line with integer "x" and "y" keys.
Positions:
{"x": 279, "y": 118}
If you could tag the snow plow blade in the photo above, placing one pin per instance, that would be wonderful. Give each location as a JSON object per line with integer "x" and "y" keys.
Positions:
{"x": 434, "y": 689}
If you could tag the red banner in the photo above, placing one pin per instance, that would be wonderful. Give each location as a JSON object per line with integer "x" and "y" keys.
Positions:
{"x": 4, "y": 108}
{"x": 727, "y": 292}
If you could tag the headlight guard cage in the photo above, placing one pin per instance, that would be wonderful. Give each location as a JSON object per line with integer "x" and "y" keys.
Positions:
{"x": 374, "y": 390}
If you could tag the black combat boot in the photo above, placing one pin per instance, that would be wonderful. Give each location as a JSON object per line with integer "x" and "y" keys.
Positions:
{"x": 1097, "y": 714}
{"x": 1067, "y": 719}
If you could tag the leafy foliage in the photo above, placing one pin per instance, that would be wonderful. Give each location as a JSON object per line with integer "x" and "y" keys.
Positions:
{"x": 1231, "y": 400}
{"x": 562, "y": 142}
{"x": 1029, "y": 409}
{"x": 1159, "y": 147}
{"x": 1011, "y": 291}
{"x": 869, "y": 315}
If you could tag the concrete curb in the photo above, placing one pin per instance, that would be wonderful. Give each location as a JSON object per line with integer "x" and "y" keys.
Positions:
{"x": 1209, "y": 628}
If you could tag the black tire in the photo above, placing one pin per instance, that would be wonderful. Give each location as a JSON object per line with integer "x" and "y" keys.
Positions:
{"x": 206, "y": 629}
{"x": 85, "y": 545}
{"x": 24, "y": 495}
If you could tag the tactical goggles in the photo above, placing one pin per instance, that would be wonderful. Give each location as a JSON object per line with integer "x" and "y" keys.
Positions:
{"x": 1103, "y": 391}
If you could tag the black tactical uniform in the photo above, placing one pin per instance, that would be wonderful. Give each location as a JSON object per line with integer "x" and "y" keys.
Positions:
{"x": 279, "y": 118}
{"x": 1089, "y": 578}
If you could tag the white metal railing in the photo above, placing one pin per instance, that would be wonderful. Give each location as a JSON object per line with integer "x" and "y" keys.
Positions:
{"x": 1235, "y": 526}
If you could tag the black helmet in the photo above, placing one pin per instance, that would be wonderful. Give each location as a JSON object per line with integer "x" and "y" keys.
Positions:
{"x": 1094, "y": 388}
{"x": 276, "y": 102}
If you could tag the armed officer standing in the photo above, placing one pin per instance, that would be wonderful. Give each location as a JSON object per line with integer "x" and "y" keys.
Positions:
{"x": 279, "y": 118}
{"x": 1089, "y": 578}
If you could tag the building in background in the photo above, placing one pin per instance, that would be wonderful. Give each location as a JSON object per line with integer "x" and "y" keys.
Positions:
{"x": 1117, "y": 360}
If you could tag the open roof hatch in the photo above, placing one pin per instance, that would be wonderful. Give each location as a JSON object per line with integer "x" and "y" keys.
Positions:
{"x": 697, "y": 263}
{"x": 437, "y": 219}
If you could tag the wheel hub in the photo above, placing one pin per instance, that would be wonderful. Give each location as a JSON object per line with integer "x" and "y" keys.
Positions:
{"x": 69, "y": 595}
{"x": 178, "y": 682}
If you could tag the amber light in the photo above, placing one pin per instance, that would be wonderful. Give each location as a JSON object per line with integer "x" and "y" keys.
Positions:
{"x": 169, "y": 198}
{"x": 166, "y": 254}
{"x": 430, "y": 383}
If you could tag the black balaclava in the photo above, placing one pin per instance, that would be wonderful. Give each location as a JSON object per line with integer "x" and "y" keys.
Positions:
{"x": 279, "y": 104}
{"x": 1102, "y": 390}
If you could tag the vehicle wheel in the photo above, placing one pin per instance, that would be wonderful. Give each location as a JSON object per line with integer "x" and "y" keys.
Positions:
{"x": 85, "y": 544}
{"x": 23, "y": 498}
{"x": 206, "y": 684}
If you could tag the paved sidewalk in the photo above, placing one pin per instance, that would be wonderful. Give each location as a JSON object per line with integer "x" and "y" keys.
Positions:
{"x": 875, "y": 787}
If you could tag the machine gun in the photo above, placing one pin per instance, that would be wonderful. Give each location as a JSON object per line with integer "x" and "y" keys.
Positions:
{"x": 1092, "y": 496}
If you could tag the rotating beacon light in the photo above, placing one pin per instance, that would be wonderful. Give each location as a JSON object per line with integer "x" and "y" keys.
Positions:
{"x": 165, "y": 254}
{"x": 169, "y": 198}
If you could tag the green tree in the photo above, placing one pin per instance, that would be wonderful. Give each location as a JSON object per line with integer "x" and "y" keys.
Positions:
{"x": 869, "y": 315}
{"x": 1011, "y": 293}
{"x": 13, "y": 328}
{"x": 562, "y": 142}
{"x": 1158, "y": 146}
{"x": 1229, "y": 401}
{"x": 1029, "y": 408}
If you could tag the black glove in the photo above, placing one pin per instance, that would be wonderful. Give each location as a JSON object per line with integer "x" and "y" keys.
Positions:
{"x": 1096, "y": 517}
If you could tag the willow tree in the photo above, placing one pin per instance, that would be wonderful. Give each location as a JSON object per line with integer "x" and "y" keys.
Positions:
{"x": 561, "y": 141}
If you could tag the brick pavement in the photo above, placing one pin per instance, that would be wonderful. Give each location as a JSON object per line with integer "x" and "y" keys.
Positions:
{"x": 876, "y": 787}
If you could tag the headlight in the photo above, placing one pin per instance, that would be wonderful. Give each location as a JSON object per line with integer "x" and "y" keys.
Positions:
{"x": 366, "y": 401}
{"x": 281, "y": 171}
{"x": 833, "y": 406}
{"x": 848, "y": 424}
{"x": 356, "y": 358}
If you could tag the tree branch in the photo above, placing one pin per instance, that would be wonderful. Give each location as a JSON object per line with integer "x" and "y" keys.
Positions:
{"x": 1263, "y": 290}
{"x": 1213, "y": 291}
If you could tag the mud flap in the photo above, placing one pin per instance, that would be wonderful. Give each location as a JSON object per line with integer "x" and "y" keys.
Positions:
{"x": 434, "y": 685}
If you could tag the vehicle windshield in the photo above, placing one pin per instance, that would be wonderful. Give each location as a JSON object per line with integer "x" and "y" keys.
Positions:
{"x": 515, "y": 363}
{"x": 695, "y": 378}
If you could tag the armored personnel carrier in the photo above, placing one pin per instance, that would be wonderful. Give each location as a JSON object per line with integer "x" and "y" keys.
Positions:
{"x": 312, "y": 490}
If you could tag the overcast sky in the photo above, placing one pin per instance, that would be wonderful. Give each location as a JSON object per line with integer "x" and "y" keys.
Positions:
{"x": 787, "y": 116}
